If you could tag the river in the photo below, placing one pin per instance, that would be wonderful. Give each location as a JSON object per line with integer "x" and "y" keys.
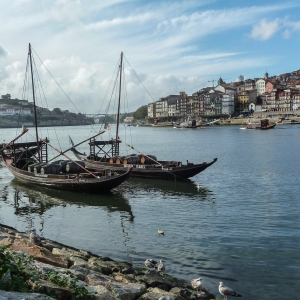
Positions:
{"x": 236, "y": 222}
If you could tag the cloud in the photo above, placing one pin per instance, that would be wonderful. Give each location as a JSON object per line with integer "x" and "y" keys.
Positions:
{"x": 295, "y": 26}
{"x": 3, "y": 51}
{"x": 172, "y": 45}
{"x": 286, "y": 34}
{"x": 116, "y": 22}
{"x": 264, "y": 30}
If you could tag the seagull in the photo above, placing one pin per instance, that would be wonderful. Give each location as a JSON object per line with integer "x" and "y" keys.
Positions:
{"x": 160, "y": 231}
{"x": 150, "y": 263}
{"x": 196, "y": 283}
{"x": 226, "y": 291}
{"x": 164, "y": 298}
{"x": 34, "y": 238}
{"x": 161, "y": 267}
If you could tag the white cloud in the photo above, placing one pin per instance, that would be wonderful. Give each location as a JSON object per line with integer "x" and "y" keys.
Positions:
{"x": 264, "y": 30}
{"x": 172, "y": 45}
{"x": 286, "y": 34}
{"x": 293, "y": 25}
{"x": 131, "y": 20}
{"x": 3, "y": 51}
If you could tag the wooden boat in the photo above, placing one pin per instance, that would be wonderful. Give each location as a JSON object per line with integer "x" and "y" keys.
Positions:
{"x": 106, "y": 154}
{"x": 188, "y": 124}
{"x": 263, "y": 125}
{"x": 162, "y": 124}
{"x": 32, "y": 165}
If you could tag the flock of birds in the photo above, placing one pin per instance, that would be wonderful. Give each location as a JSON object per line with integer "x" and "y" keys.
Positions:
{"x": 196, "y": 284}
{"x": 151, "y": 264}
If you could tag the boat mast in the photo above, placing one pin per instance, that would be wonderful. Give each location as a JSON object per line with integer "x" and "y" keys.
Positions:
{"x": 33, "y": 95}
{"x": 118, "y": 115}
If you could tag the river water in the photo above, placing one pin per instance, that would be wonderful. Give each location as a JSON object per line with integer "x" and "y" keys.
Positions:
{"x": 236, "y": 222}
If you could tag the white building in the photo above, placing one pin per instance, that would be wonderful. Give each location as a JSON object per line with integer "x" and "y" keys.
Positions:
{"x": 9, "y": 110}
{"x": 260, "y": 86}
{"x": 228, "y": 104}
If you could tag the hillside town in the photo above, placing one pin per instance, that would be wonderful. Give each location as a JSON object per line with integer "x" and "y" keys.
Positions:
{"x": 14, "y": 112}
{"x": 243, "y": 97}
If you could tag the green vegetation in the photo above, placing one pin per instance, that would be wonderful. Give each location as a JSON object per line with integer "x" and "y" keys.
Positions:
{"x": 14, "y": 270}
{"x": 141, "y": 113}
{"x": 69, "y": 281}
{"x": 17, "y": 274}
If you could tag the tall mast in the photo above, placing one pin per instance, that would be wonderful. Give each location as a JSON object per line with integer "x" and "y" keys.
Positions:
{"x": 118, "y": 115}
{"x": 33, "y": 95}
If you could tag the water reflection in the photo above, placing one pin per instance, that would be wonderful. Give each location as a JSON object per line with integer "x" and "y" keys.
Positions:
{"x": 140, "y": 186}
{"x": 38, "y": 200}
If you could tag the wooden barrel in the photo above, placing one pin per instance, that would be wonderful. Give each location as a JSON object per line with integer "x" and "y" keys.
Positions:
{"x": 118, "y": 160}
{"x": 51, "y": 169}
{"x": 112, "y": 160}
{"x": 133, "y": 159}
{"x": 31, "y": 167}
{"x": 72, "y": 167}
{"x": 63, "y": 165}
{"x": 148, "y": 159}
{"x": 37, "y": 168}
{"x": 121, "y": 160}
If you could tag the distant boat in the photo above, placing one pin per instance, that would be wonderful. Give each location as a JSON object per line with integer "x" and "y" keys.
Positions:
{"x": 188, "y": 124}
{"x": 162, "y": 124}
{"x": 288, "y": 121}
{"x": 263, "y": 125}
{"x": 212, "y": 122}
{"x": 106, "y": 154}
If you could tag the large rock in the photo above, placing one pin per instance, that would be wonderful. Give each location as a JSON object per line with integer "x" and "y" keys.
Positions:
{"x": 19, "y": 296}
{"x": 122, "y": 291}
{"x": 156, "y": 293}
{"x": 41, "y": 254}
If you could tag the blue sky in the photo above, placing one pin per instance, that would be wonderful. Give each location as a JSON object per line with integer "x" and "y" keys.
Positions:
{"x": 173, "y": 46}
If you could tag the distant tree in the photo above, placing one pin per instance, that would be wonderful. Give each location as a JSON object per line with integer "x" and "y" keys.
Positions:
{"x": 57, "y": 110}
{"x": 6, "y": 97}
{"x": 141, "y": 112}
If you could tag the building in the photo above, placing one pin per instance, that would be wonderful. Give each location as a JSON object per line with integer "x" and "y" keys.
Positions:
{"x": 260, "y": 86}
{"x": 245, "y": 99}
{"x": 151, "y": 110}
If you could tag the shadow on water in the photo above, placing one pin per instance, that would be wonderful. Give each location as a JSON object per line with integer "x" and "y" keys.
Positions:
{"x": 190, "y": 189}
{"x": 38, "y": 200}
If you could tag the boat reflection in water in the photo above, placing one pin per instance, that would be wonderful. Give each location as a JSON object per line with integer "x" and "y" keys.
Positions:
{"x": 28, "y": 201}
{"x": 135, "y": 187}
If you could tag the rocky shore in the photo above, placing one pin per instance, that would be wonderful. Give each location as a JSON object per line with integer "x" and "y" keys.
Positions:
{"x": 56, "y": 271}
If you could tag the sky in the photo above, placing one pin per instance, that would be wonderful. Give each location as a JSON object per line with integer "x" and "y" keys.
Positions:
{"x": 170, "y": 46}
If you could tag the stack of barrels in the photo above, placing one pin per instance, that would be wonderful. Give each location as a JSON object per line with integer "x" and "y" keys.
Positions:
{"x": 56, "y": 167}
{"x": 134, "y": 159}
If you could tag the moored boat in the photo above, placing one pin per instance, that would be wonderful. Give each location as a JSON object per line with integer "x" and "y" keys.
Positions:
{"x": 263, "y": 125}
{"x": 105, "y": 153}
{"x": 162, "y": 124}
{"x": 29, "y": 163}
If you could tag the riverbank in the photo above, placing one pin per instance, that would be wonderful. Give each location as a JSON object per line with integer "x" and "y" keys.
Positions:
{"x": 63, "y": 272}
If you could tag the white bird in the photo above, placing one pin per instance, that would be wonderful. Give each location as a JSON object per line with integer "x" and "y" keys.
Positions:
{"x": 226, "y": 291}
{"x": 150, "y": 263}
{"x": 196, "y": 283}
{"x": 164, "y": 298}
{"x": 160, "y": 231}
{"x": 161, "y": 267}
{"x": 34, "y": 238}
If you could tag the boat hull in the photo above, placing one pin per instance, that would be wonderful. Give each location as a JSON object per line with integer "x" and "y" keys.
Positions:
{"x": 158, "y": 171}
{"x": 83, "y": 182}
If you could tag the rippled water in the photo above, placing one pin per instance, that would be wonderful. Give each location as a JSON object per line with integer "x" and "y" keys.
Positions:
{"x": 237, "y": 222}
